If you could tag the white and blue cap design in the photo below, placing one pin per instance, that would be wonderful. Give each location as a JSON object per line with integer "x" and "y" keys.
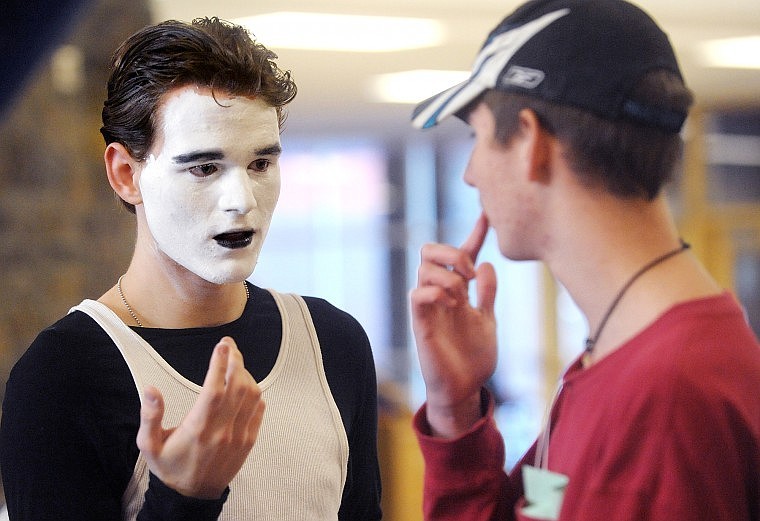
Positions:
{"x": 588, "y": 54}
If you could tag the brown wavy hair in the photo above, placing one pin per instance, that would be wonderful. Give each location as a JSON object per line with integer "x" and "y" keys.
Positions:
{"x": 160, "y": 58}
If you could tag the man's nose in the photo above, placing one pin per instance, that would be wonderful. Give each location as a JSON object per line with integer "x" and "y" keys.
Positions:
{"x": 236, "y": 194}
{"x": 468, "y": 173}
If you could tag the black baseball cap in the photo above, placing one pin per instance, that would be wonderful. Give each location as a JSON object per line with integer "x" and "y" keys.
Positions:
{"x": 587, "y": 54}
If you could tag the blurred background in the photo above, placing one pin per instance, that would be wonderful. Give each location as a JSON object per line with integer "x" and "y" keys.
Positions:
{"x": 362, "y": 191}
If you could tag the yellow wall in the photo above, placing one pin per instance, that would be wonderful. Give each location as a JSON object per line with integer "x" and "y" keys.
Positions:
{"x": 401, "y": 467}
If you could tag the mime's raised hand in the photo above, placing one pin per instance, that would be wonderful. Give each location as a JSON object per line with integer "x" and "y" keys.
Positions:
{"x": 200, "y": 457}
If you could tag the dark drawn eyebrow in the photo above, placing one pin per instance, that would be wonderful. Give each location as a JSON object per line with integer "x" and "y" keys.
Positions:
{"x": 201, "y": 155}
{"x": 215, "y": 155}
{"x": 271, "y": 150}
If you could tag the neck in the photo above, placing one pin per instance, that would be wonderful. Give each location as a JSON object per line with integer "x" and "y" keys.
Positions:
{"x": 616, "y": 243}
{"x": 592, "y": 339}
{"x": 176, "y": 302}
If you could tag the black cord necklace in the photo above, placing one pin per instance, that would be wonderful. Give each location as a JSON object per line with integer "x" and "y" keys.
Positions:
{"x": 591, "y": 340}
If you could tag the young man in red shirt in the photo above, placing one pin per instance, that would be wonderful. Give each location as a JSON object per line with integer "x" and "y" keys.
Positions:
{"x": 576, "y": 108}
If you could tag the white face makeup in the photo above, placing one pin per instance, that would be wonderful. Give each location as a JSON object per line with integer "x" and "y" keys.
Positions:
{"x": 211, "y": 183}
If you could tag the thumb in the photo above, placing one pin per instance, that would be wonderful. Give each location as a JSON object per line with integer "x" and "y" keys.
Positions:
{"x": 150, "y": 434}
{"x": 485, "y": 279}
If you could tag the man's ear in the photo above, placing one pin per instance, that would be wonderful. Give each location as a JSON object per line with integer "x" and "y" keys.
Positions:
{"x": 121, "y": 169}
{"x": 537, "y": 146}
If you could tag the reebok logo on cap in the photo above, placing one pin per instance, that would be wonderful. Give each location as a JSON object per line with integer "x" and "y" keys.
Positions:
{"x": 522, "y": 77}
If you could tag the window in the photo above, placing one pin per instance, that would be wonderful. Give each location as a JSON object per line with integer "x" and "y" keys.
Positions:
{"x": 328, "y": 234}
{"x": 352, "y": 217}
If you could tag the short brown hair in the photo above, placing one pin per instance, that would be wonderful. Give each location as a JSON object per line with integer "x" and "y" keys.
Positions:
{"x": 627, "y": 159}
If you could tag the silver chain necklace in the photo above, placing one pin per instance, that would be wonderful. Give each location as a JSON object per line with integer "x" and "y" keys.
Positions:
{"x": 134, "y": 315}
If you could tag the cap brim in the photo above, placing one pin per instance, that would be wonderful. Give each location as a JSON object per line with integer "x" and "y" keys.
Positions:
{"x": 437, "y": 108}
{"x": 490, "y": 65}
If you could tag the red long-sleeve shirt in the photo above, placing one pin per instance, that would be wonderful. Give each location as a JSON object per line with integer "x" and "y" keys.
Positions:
{"x": 667, "y": 427}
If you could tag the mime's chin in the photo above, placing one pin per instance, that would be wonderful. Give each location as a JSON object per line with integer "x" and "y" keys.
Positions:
{"x": 226, "y": 272}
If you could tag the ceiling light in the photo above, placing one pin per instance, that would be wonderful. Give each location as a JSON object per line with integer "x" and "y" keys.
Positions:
{"x": 736, "y": 53}
{"x": 337, "y": 32}
{"x": 414, "y": 86}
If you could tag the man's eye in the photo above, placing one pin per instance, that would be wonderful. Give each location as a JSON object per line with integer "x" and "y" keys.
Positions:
{"x": 203, "y": 170}
{"x": 260, "y": 165}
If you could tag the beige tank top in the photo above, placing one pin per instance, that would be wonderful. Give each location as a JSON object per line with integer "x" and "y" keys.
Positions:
{"x": 297, "y": 469}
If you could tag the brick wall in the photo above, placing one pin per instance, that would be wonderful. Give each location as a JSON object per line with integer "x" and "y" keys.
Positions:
{"x": 62, "y": 235}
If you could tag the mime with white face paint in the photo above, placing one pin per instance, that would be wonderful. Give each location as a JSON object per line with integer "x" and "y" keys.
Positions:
{"x": 185, "y": 392}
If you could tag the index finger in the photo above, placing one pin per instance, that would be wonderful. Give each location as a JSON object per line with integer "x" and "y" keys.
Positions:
{"x": 218, "y": 365}
{"x": 474, "y": 242}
